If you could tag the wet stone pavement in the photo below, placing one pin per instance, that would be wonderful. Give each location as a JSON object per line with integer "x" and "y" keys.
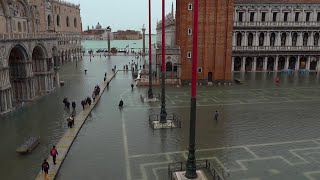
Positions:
{"x": 264, "y": 131}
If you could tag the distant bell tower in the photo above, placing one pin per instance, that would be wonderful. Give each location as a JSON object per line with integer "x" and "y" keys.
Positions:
{"x": 215, "y": 39}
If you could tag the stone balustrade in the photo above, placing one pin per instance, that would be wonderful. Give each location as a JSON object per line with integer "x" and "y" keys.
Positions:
{"x": 31, "y": 36}
{"x": 284, "y": 24}
{"x": 275, "y": 48}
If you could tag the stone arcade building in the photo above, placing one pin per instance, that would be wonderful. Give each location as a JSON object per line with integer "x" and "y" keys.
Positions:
{"x": 36, "y": 36}
{"x": 276, "y": 35}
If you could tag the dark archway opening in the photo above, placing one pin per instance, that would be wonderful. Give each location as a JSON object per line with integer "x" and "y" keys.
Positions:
{"x": 237, "y": 64}
{"x": 18, "y": 73}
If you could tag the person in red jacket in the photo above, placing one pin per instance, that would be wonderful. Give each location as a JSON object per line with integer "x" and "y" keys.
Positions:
{"x": 54, "y": 154}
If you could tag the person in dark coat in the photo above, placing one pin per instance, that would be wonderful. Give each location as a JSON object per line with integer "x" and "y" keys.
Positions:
{"x": 45, "y": 167}
{"x": 132, "y": 87}
{"x": 73, "y": 105}
{"x": 83, "y": 104}
{"x": 121, "y": 104}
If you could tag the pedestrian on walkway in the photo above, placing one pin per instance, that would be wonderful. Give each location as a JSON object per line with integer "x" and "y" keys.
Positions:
{"x": 121, "y": 104}
{"x": 105, "y": 74}
{"x": 132, "y": 87}
{"x": 85, "y": 71}
{"x": 83, "y": 104}
{"x": 216, "y": 116}
{"x": 73, "y": 105}
{"x": 104, "y": 79}
{"x": 45, "y": 167}
{"x": 54, "y": 154}
{"x": 94, "y": 96}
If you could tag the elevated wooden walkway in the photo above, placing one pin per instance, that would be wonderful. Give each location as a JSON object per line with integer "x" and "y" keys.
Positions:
{"x": 69, "y": 136}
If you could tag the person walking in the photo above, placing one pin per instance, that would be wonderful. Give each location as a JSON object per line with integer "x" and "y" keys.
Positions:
{"x": 132, "y": 87}
{"x": 45, "y": 167}
{"x": 121, "y": 104}
{"x": 54, "y": 154}
{"x": 216, "y": 114}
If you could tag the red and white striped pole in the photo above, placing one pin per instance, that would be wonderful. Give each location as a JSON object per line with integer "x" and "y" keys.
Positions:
{"x": 191, "y": 162}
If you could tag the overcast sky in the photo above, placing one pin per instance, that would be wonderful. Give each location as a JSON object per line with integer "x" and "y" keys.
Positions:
{"x": 120, "y": 14}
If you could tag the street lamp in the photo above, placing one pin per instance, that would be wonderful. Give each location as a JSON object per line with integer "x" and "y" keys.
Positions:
{"x": 191, "y": 162}
{"x": 150, "y": 94}
{"x": 108, "y": 31}
{"x": 163, "y": 112}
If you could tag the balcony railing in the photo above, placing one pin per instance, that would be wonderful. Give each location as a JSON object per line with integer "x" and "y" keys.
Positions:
{"x": 276, "y": 48}
{"x": 277, "y": 23}
{"x": 19, "y": 36}
{"x": 28, "y": 36}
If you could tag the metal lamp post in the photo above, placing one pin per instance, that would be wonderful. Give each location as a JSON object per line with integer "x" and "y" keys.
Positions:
{"x": 163, "y": 112}
{"x": 191, "y": 162}
{"x": 108, "y": 32}
{"x": 150, "y": 94}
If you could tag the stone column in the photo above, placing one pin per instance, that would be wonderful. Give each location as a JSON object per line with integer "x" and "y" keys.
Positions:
{"x": 256, "y": 39}
{"x": 234, "y": 37}
{"x": 265, "y": 63}
{"x": 308, "y": 63}
{"x": 5, "y": 100}
{"x": 297, "y": 63}
{"x": 276, "y": 63}
{"x": 266, "y": 39}
{"x": 300, "y": 39}
{"x": 318, "y": 65}
{"x": 245, "y": 42}
{"x": 290, "y": 39}
{"x": 232, "y": 64}
{"x": 254, "y": 67}
{"x": 286, "y": 64}
{"x": 243, "y": 64}
{"x": 278, "y": 39}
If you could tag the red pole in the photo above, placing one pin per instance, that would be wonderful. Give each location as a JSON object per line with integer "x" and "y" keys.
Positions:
{"x": 150, "y": 94}
{"x": 163, "y": 36}
{"x": 191, "y": 162}
{"x": 195, "y": 49}
{"x": 150, "y": 61}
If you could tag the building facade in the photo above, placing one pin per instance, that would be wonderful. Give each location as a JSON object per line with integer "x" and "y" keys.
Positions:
{"x": 127, "y": 35}
{"x": 173, "y": 52}
{"x": 274, "y": 35}
{"x": 97, "y": 33}
{"x": 36, "y": 36}
{"x": 215, "y": 39}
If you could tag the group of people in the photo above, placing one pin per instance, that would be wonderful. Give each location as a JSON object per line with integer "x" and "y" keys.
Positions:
{"x": 86, "y": 102}
{"x": 45, "y": 165}
{"x": 67, "y": 104}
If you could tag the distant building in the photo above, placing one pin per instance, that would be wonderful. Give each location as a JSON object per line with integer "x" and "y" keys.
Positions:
{"x": 127, "y": 35}
{"x": 97, "y": 33}
{"x": 173, "y": 52}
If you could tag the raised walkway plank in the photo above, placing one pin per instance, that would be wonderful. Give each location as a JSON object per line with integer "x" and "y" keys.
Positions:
{"x": 65, "y": 143}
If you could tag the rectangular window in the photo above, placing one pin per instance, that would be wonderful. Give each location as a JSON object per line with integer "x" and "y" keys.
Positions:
{"x": 263, "y": 17}
{"x": 318, "y": 16}
{"x": 285, "y": 16}
{"x": 308, "y": 16}
{"x": 189, "y": 31}
{"x": 190, "y": 7}
{"x": 189, "y": 55}
{"x": 296, "y": 17}
{"x": 251, "y": 16}
{"x": 274, "y": 16}
{"x": 240, "y": 16}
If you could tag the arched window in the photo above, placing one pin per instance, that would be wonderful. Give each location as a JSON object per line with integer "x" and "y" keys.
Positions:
{"x": 305, "y": 39}
{"x": 316, "y": 39}
{"x": 239, "y": 39}
{"x": 294, "y": 39}
{"x": 272, "y": 39}
{"x": 168, "y": 66}
{"x": 58, "y": 20}
{"x": 75, "y": 22}
{"x": 261, "y": 39}
{"x": 67, "y": 21}
{"x": 283, "y": 39}
{"x": 250, "y": 39}
{"x": 49, "y": 20}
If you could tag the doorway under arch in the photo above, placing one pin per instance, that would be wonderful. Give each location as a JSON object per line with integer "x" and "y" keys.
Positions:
{"x": 18, "y": 73}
